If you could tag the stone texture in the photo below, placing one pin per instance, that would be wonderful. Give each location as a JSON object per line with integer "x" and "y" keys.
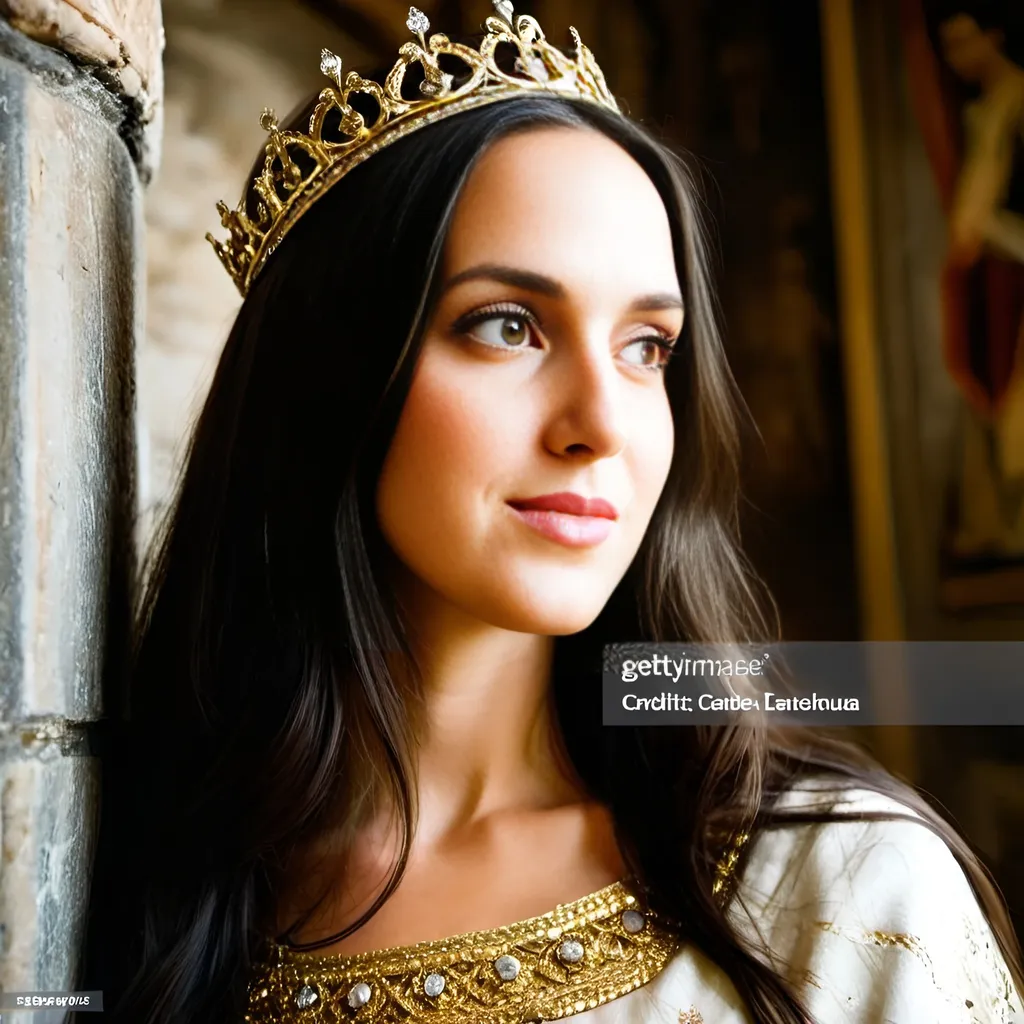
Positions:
{"x": 123, "y": 36}
{"x": 47, "y": 806}
{"x": 70, "y": 274}
{"x": 70, "y": 210}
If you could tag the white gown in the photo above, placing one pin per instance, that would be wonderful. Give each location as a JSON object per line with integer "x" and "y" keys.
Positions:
{"x": 875, "y": 922}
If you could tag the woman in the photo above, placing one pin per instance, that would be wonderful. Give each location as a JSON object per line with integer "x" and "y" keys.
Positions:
{"x": 472, "y": 423}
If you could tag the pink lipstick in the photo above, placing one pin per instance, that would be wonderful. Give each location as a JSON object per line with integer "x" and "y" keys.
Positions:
{"x": 567, "y": 518}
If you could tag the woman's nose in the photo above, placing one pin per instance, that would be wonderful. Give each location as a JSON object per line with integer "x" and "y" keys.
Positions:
{"x": 587, "y": 414}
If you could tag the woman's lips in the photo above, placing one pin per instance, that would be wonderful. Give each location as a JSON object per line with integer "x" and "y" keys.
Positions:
{"x": 567, "y": 518}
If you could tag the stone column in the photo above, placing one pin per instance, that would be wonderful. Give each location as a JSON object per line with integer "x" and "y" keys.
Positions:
{"x": 76, "y": 143}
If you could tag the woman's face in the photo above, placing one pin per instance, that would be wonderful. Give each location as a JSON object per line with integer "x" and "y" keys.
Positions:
{"x": 541, "y": 374}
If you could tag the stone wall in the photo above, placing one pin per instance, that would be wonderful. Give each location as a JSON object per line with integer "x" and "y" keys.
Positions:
{"x": 71, "y": 160}
{"x": 119, "y": 42}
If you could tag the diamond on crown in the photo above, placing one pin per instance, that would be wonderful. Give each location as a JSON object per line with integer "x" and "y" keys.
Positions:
{"x": 301, "y": 165}
{"x": 330, "y": 65}
{"x": 438, "y": 88}
{"x": 417, "y": 22}
{"x": 504, "y": 9}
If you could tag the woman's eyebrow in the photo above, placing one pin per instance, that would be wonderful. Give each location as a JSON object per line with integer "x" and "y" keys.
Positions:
{"x": 531, "y": 281}
{"x": 526, "y": 279}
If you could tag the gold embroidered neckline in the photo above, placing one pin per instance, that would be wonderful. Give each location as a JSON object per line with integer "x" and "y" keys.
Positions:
{"x": 576, "y": 957}
{"x": 465, "y": 940}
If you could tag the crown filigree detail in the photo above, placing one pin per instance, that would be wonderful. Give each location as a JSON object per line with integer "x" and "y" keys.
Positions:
{"x": 299, "y": 167}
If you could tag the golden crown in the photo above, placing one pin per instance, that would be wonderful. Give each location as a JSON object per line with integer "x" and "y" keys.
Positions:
{"x": 299, "y": 167}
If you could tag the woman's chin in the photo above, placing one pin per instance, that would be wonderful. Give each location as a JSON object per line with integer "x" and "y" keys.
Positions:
{"x": 549, "y": 615}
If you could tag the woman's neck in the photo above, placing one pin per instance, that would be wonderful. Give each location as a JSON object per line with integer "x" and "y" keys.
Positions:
{"x": 488, "y": 740}
{"x": 493, "y": 800}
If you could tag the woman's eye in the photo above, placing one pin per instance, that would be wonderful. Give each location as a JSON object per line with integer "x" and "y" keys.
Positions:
{"x": 503, "y": 331}
{"x": 651, "y": 353}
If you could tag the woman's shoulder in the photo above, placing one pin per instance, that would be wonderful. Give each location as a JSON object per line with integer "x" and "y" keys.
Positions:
{"x": 871, "y": 909}
{"x": 876, "y": 856}
{"x": 872, "y": 841}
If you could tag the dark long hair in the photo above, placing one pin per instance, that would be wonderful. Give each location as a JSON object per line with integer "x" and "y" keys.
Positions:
{"x": 261, "y": 709}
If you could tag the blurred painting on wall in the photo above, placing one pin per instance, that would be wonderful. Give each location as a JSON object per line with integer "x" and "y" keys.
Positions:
{"x": 966, "y": 78}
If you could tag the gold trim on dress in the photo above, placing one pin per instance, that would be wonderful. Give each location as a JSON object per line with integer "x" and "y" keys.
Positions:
{"x": 576, "y": 957}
